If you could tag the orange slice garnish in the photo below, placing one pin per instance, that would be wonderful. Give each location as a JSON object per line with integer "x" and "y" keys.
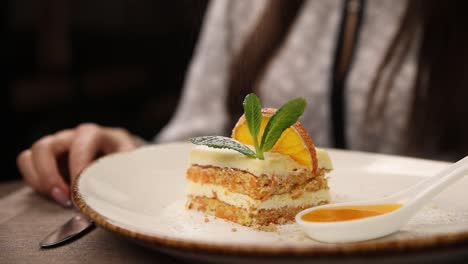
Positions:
{"x": 294, "y": 142}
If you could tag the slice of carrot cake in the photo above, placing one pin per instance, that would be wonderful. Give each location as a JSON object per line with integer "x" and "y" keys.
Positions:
{"x": 266, "y": 173}
{"x": 254, "y": 192}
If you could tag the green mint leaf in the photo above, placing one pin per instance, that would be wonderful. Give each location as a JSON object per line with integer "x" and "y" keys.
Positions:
{"x": 285, "y": 117}
{"x": 253, "y": 116}
{"x": 223, "y": 143}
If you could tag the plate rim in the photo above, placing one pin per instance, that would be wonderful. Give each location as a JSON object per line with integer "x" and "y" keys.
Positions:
{"x": 372, "y": 247}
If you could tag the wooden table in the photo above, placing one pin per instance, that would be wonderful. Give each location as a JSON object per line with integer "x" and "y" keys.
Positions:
{"x": 26, "y": 218}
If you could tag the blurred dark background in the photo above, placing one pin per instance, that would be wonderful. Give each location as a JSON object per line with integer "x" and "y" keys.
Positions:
{"x": 113, "y": 62}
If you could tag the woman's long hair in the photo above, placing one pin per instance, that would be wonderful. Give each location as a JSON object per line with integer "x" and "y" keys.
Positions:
{"x": 437, "y": 122}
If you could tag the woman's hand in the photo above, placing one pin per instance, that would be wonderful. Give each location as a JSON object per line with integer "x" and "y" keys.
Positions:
{"x": 42, "y": 165}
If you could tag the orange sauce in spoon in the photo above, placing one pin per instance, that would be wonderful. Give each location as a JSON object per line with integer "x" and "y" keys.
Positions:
{"x": 346, "y": 213}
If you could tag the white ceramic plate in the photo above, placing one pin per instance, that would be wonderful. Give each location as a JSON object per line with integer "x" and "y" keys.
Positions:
{"x": 140, "y": 195}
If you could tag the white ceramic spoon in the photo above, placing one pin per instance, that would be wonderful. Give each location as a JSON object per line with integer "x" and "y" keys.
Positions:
{"x": 412, "y": 199}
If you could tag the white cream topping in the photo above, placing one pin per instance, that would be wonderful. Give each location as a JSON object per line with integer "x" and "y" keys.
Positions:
{"x": 274, "y": 163}
{"x": 245, "y": 201}
{"x": 323, "y": 159}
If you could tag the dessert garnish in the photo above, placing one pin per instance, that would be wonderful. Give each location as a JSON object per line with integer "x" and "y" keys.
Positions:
{"x": 282, "y": 119}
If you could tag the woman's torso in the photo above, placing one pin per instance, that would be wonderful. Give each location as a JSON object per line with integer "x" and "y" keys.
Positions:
{"x": 302, "y": 67}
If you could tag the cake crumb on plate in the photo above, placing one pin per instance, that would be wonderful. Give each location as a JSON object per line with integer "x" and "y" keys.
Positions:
{"x": 268, "y": 228}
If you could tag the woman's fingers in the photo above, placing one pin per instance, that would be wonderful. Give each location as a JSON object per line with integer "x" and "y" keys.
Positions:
{"x": 117, "y": 140}
{"x": 26, "y": 167}
{"x": 92, "y": 140}
{"x": 84, "y": 148}
{"x": 44, "y": 155}
{"x": 41, "y": 164}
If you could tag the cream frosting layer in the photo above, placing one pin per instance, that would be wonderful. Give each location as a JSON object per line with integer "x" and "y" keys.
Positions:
{"x": 274, "y": 163}
{"x": 245, "y": 201}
